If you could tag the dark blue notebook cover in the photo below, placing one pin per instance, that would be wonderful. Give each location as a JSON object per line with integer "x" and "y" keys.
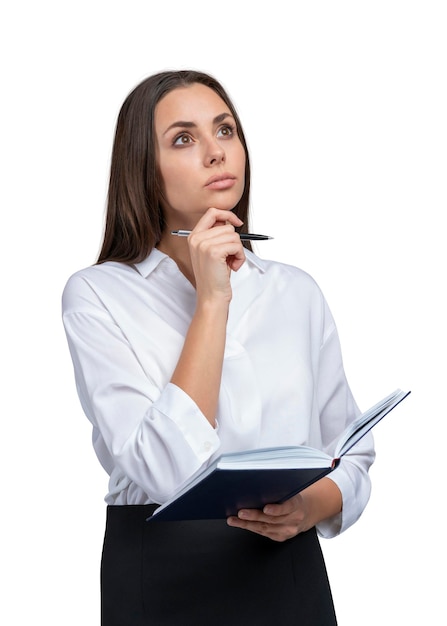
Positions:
{"x": 224, "y": 492}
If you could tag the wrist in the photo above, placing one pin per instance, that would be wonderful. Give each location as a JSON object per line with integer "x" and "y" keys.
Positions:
{"x": 323, "y": 500}
{"x": 213, "y": 307}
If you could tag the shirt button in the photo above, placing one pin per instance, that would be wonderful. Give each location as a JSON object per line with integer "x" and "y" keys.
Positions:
{"x": 207, "y": 446}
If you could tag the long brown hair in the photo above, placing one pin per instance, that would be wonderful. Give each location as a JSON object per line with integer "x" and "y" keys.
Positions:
{"x": 134, "y": 218}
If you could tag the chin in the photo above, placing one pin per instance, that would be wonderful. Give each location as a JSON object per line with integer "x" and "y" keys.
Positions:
{"x": 225, "y": 204}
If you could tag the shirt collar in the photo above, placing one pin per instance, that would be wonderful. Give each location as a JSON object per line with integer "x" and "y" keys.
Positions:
{"x": 154, "y": 259}
{"x": 255, "y": 260}
{"x": 150, "y": 263}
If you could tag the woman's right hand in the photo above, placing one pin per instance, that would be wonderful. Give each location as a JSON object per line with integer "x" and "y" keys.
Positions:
{"x": 215, "y": 249}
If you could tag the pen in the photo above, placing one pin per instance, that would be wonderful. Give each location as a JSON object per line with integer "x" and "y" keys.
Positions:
{"x": 243, "y": 236}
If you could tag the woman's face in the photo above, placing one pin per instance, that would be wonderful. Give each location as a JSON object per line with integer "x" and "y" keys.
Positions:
{"x": 200, "y": 156}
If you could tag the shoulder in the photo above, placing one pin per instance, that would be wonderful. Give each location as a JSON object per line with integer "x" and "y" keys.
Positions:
{"x": 282, "y": 275}
{"x": 291, "y": 286}
{"x": 293, "y": 290}
{"x": 84, "y": 287}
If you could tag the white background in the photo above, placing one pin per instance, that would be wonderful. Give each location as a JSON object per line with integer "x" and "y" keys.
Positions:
{"x": 344, "y": 107}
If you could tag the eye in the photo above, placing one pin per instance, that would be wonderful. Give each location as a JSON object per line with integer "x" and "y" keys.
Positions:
{"x": 226, "y": 131}
{"x": 182, "y": 140}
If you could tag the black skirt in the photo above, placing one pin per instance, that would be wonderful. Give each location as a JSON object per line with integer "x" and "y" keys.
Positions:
{"x": 206, "y": 573}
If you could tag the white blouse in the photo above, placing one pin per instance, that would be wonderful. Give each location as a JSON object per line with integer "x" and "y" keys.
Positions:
{"x": 282, "y": 382}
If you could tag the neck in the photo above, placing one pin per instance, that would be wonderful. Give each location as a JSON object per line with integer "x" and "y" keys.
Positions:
{"x": 177, "y": 249}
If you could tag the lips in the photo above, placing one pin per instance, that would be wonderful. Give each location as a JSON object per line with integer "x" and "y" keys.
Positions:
{"x": 221, "y": 181}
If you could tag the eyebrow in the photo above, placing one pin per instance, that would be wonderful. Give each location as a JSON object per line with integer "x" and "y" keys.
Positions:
{"x": 183, "y": 124}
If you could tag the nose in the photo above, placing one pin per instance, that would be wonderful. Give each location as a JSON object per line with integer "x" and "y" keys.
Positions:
{"x": 215, "y": 154}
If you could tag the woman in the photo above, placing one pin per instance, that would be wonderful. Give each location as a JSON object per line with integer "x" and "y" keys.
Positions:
{"x": 185, "y": 348}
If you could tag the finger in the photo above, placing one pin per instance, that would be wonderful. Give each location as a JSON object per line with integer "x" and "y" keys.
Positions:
{"x": 235, "y": 262}
{"x": 277, "y": 510}
{"x": 220, "y": 243}
{"x": 257, "y": 516}
{"x": 218, "y": 231}
{"x": 282, "y": 515}
{"x": 262, "y": 528}
{"x": 213, "y": 215}
{"x": 279, "y": 532}
{"x": 285, "y": 508}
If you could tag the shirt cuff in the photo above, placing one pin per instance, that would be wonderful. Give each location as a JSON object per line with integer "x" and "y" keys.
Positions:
{"x": 177, "y": 406}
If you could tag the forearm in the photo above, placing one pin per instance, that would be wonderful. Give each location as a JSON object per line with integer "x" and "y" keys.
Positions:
{"x": 199, "y": 368}
{"x": 322, "y": 500}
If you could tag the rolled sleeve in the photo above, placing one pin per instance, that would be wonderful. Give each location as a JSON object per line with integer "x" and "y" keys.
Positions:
{"x": 352, "y": 478}
{"x": 178, "y": 407}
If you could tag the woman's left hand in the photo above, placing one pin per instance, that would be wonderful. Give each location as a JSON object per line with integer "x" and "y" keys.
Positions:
{"x": 280, "y": 522}
{"x": 276, "y": 521}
